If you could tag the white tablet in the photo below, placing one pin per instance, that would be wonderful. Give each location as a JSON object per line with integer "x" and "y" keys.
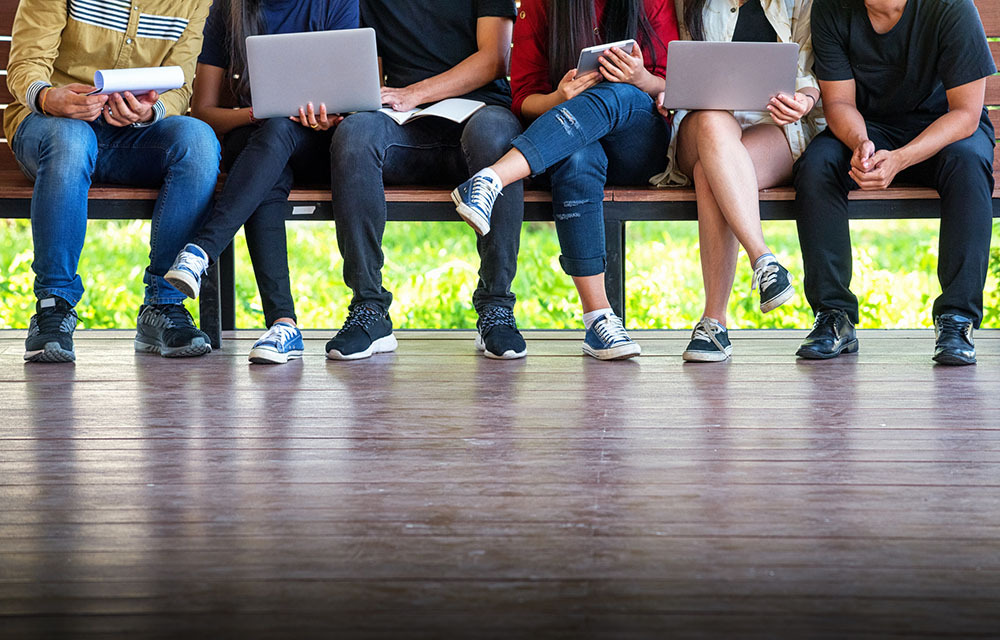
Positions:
{"x": 588, "y": 57}
{"x": 731, "y": 76}
{"x": 336, "y": 68}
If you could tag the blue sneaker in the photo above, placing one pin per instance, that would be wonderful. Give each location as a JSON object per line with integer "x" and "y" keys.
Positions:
{"x": 279, "y": 344}
{"x": 709, "y": 342}
{"x": 474, "y": 200}
{"x": 188, "y": 268}
{"x": 607, "y": 339}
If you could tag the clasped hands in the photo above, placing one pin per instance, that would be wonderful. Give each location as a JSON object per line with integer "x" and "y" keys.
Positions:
{"x": 874, "y": 170}
{"x": 119, "y": 109}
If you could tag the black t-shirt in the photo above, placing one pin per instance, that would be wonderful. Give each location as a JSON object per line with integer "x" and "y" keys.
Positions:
{"x": 752, "y": 24}
{"x": 418, "y": 39}
{"x": 901, "y": 76}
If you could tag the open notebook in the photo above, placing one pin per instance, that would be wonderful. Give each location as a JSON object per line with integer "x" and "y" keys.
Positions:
{"x": 455, "y": 109}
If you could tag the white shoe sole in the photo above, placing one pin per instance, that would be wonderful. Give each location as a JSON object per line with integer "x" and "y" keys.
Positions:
{"x": 183, "y": 282}
{"x": 708, "y": 356}
{"x": 508, "y": 355}
{"x": 616, "y": 353}
{"x": 263, "y": 355}
{"x": 777, "y": 300}
{"x": 382, "y": 345}
{"x": 470, "y": 215}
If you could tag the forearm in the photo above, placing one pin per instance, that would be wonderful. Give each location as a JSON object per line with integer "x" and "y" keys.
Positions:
{"x": 847, "y": 123}
{"x": 949, "y": 128}
{"x": 538, "y": 103}
{"x": 223, "y": 120}
{"x": 472, "y": 73}
{"x": 652, "y": 84}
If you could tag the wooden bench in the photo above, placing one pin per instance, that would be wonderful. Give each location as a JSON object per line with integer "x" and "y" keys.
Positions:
{"x": 622, "y": 205}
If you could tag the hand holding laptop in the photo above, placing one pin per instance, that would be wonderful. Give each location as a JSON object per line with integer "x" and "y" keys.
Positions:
{"x": 308, "y": 117}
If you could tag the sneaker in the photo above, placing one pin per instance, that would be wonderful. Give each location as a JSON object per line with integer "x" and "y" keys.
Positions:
{"x": 279, "y": 344}
{"x": 50, "y": 332}
{"x": 954, "y": 345}
{"x": 474, "y": 200}
{"x": 168, "y": 329}
{"x": 497, "y": 336}
{"x": 775, "y": 285}
{"x": 833, "y": 333}
{"x": 709, "y": 342}
{"x": 366, "y": 331}
{"x": 607, "y": 339}
{"x": 188, "y": 268}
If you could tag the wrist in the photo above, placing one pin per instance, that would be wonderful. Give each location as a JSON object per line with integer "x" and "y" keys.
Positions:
{"x": 903, "y": 157}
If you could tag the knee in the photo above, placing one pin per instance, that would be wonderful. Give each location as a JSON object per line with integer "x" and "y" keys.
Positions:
{"x": 490, "y": 131}
{"x": 355, "y": 140}
{"x": 825, "y": 160}
{"x": 713, "y": 128}
{"x": 964, "y": 161}
{"x": 587, "y": 162}
{"x": 193, "y": 146}
{"x": 68, "y": 146}
{"x": 274, "y": 129}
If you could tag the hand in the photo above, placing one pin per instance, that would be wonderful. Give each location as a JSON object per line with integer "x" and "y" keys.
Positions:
{"x": 788, "y": 109}
{"x": 571, "y": 86}
{"x": 125, "y": 109}
{"x": 308, "y": 118}
{"x": 618, "y": 66}
{"x": 401, "y": 99}
{"x": 885, "y": 166}
{"x": 73, "y": 102}
{"x": 665, "y": 112}
{"x": 861, "y": 158}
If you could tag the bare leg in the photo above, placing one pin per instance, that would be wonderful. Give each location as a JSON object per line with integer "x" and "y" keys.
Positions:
{"x": 593, "y": 295}
{"x": 286, "y": 321}
{"x": 719, "y": 249}
{"x": 511, "y": 167}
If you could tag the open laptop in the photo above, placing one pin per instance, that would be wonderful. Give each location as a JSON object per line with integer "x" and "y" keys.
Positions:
{"x": 336, "y": 68}
{"x": 731, "y": 76}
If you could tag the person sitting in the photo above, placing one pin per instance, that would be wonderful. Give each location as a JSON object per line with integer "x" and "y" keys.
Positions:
{"x": 429, "y": 51}
{"x": 903, "y": 86}
{"x": 731, "y": 155}
{"x": 64, "y": 138}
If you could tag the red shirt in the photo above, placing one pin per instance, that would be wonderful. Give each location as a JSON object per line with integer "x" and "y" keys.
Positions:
{"x": 529, "y": 64}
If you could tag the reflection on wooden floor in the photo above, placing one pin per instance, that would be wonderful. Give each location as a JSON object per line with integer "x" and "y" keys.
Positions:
{"x": 434, "y": 493}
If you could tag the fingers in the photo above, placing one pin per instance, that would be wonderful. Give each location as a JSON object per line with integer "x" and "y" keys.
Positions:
{"x": 150, "y": 97}
{"x": 76, "y": 87}
{"x": 113, "y": 118}
{"x": 302, "y": 118}
{"x": 311, "y": 117}
{"x": 611, "y": 71}
{"x": 569, "y": 77}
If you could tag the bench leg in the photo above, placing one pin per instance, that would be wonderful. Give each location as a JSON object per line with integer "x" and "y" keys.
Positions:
{"x": 209, "y": 306}
{"x": 227, "y": 288}
{"x": 614, "y": 277}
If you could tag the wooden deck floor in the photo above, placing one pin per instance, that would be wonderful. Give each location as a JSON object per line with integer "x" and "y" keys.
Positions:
{"x": 433, "y": 493}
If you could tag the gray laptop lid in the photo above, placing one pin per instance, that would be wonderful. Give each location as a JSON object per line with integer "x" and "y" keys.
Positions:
{"x": 732, "y": 76}
{"x": 336, "y": 68}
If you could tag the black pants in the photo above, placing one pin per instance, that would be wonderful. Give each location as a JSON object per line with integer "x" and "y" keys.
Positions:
{"x": 961, "y": 172}
{"x": 370, "y": 150}
{"x": 262, "y": 162}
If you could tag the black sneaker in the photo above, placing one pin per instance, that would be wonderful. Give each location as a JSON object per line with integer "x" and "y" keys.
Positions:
{"x": 50, "y": 333}
{"x": 366, "y": 331}
{"x": 497, "y": 336}
{"x": 775, "y": 285}
{"x": 954, "y": 344}
{"x": 168, "y": 329}
{"x": 709, "y": 342}
{"x": 833, "y": 333}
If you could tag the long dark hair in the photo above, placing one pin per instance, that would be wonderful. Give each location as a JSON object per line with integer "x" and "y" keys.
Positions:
{"x": 571, "y": 28}
{"x": 694, "y": 18}
{"x": 244, "y": 18}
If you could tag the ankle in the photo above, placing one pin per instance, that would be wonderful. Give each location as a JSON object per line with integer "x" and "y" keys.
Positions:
{"x": 763, "y": 259}
{"x": 590, "y": 317}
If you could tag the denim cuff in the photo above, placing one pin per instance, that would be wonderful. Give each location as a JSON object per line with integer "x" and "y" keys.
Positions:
{"x": 69, "y": 295}
{"x": 159, "y": 112}
{"x": 581, "y": 268}
{"x": 31, "y": 95}
{"x": 531, "y": 153}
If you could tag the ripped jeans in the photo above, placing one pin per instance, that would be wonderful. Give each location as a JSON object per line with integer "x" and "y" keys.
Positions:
{"x": 610, "y": 133}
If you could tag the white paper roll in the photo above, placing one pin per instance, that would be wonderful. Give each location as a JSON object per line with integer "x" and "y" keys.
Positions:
{"x": 138, "y": 81}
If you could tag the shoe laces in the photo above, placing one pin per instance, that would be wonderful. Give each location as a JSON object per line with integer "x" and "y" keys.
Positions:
{"x": 193, "y": 263}
{"x": 51, "y": 320}
{"x": 706, "y": 330}
{"x": 496, "y": 317}
{"x": 279, "y": 334}
{"x": 949, "y": 325}
{"x": 826, "y": 318}
{"x": 765, "y": 275}
{"x": 611, "y": 330}
{"x": 483, "y": 192}
{"x": 362, "y": 316}
{"x": 176, "y": 315}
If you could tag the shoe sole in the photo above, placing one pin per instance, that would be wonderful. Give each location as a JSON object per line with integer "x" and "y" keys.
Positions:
{"x": 270, "y": 356}
{"x": 952, "y": 360}
{"x": 183, "y": 282}
{"x": 470, "y": 215}
{"x": 778, "y": 300}
{"x": 510, "y": 354}
{"x": 809, "y": 354}
{"x": 198, "y": 347}
{"x": 617, "y": 353}
{"x": 52, "y": 352}
{"x": 708, "y": 356}
{"x": 382, "y": 345}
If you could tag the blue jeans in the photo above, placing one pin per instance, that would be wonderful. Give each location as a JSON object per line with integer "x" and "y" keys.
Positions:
{"x": 64, "y": 156}
{"x": 610, "y": 133}
{"x": 370, "y": 150}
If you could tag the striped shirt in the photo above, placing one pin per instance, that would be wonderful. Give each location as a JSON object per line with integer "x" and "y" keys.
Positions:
{"x": 56, "y": 43}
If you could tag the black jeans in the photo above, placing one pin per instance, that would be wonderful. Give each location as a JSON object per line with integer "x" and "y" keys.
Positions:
{"x": 961, "y": 172}
{"x": 370, "y": 150}
{"x": 262, "y": 162}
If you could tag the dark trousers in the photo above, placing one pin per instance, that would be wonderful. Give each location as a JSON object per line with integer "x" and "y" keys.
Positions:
{"x": 962, "y": 173}
{"x": 370, "y": 150}
{"x": 262, "y": 161}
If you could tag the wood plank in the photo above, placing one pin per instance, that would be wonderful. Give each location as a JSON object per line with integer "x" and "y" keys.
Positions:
{"x": 993, "y": 90}
{"x": 7, "y": 10}
{"x": 989, "y": 12}
{"x": 5, "y": 96}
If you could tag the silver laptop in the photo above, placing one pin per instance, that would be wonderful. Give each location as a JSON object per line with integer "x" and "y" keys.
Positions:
{"x": 733, "y": 76}
{"x": 336, "y": 68}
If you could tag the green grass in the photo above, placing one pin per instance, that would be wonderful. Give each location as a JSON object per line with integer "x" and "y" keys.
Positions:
{"x": 432, "y": 270}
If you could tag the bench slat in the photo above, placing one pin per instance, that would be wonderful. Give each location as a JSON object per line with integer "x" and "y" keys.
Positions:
{"x": 989, "y": 11}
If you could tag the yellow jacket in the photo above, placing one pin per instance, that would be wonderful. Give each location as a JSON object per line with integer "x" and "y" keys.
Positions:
{"x": 59, "y": 42}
